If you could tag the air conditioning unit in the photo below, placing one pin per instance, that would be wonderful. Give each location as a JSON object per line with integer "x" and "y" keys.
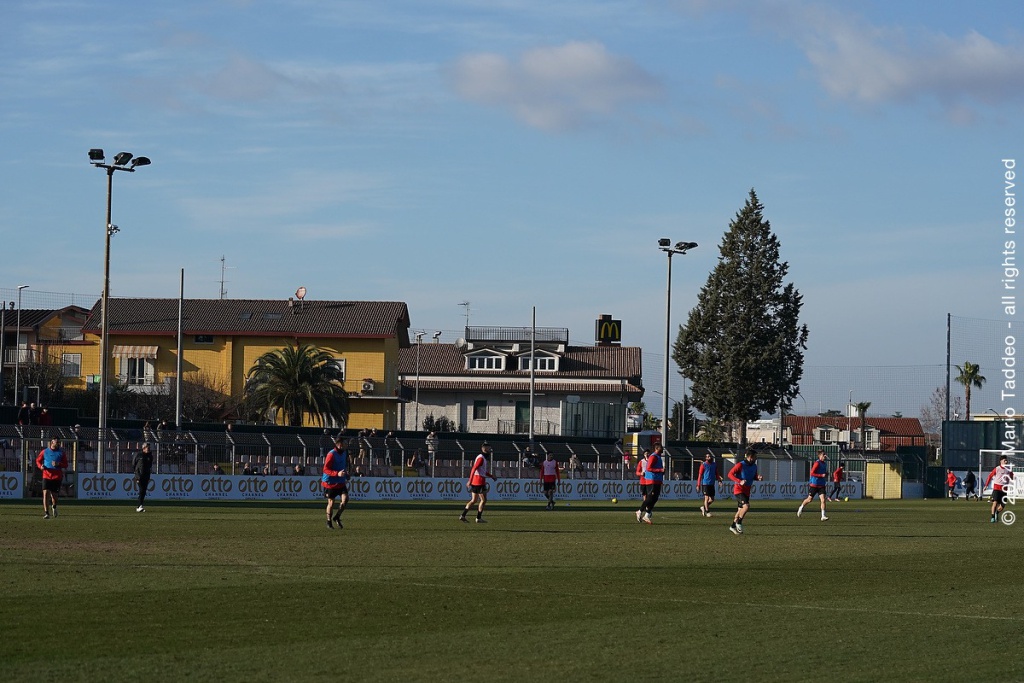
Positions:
{"x": 368, "y": 386}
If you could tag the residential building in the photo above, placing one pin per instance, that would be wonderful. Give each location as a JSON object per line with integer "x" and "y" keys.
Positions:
{"x": 41, "y": 336}
{"x": 884, "y": 434}
{"x": 222, "y": 338}
{"x": 482, "y": 383}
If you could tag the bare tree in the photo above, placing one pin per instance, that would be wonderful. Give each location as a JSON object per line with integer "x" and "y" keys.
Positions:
{"x": 934, "y": 412}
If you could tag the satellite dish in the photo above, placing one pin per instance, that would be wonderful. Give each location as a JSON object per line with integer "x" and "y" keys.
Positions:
{"x": 300, "y": 293}
{"x": 460, "y": 343}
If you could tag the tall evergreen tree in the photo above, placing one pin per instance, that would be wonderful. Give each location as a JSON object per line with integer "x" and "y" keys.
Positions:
{"x": 743, "y": 345}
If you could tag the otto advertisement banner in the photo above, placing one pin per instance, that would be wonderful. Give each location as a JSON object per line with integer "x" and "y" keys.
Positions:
{"x": 256, "y": 488}
{"x": 12, "y": 485}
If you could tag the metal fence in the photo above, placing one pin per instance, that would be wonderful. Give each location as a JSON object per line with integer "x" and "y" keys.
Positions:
{"x": 272, "y": 453}
{"x": 278, "y": 453}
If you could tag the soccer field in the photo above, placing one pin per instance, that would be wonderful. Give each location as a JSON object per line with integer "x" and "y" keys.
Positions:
{"x": 915, "y": 590}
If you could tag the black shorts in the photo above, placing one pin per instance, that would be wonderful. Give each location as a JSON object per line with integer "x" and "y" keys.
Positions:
{"x": 644, "y": 488}
{"x": 813, "y": 490}
{"x": 482, "y": 488}
{"x": 742, "y": 499}
{"x": 999, "y": 497}
{"x": 708, "y": 490}
{"x": 550, "y": 486}
{"x": 335, "y": 491}
{"x": 52, "y": 485}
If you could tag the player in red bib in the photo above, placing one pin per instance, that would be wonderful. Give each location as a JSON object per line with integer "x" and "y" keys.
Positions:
{"x": 334, "y": 481}
{"x": 1000, "y": 478}
{"x": 817, "y": 485}
{"x": 837, "y": 482}
{"x": 951, "y": 480}
{"x": 641, "y": 475}
{"x": 743, "y": 475}
{"x": 550, "y": 476}
{"x": 52, "y": 462}
{"x": 477, "y": 485}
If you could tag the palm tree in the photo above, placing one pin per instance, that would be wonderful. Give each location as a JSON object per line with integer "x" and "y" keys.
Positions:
{"x": 970, "y": 376}
{"x": 862, "y": 411}
{"x": 297, "y": 381}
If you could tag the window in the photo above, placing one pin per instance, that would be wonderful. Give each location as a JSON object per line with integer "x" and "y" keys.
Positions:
{"x": 340, "y": 364}
{"x": 203, "y": 339}
{"x": 541, "y": 363}
{"x": 71, "y": 364}
{"x": 825, "y": 435}
{"x": 139, "y": 371}
{"x": 479, "y": 410}
{"x": 488, "y": 362}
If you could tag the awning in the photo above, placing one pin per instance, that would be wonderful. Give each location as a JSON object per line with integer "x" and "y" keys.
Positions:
{"x": 136, "y": 351}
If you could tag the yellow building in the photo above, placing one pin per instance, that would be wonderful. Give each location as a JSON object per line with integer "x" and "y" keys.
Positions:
{"x": 31, "y": 336}
{"x": 222, "y": 338}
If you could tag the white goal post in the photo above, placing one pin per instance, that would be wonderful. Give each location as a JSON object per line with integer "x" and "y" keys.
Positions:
{"x": 989, "y": 459}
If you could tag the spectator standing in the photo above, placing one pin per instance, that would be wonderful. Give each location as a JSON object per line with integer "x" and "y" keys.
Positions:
{"x": 743, "y": 474}
{"x": 33, "y": 414}
{"x": 550, "y": 476}
{"x": 574, "y": 465}
{"x": 142, "y": 465}
{"x": 417, "y": 462}
{"x": 334, "y": 482}
{"x": 52, "y": 462}
{"x": 45, "y": 419}
{"x": 431, "y": 442}
{"x": 477, "y": 485}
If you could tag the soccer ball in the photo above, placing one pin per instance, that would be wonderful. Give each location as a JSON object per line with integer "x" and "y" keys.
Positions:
{"x": 846, "y": 500}
{"x": 615, "y": 500}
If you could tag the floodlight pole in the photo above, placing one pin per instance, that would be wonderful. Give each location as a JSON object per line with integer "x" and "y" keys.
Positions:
{"x": 119, "y": 164}
{"x": 419, "y": 343}
{"x": 17, "y": 346}
{"x": 679, "y": 248}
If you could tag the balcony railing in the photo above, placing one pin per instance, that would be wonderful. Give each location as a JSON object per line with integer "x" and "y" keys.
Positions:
{"x": 22, "y": 356}
{"x": 540, "y": 427}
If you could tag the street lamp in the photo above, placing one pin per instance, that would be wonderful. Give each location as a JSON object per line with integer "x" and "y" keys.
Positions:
{"x": 17, "y": 345}
{"x": 3, "y": 333}
{"x": 123, "y": 161}
{"x": 665, "y": 245}
{"x": 419, "y": 342}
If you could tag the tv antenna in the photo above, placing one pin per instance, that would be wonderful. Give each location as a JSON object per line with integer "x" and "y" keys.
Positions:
{"x": 223, "y": 269}
{"x": 465, "y": 304}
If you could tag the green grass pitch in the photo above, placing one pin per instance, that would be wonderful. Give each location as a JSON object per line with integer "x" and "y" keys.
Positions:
{"x": 910, "y": 591}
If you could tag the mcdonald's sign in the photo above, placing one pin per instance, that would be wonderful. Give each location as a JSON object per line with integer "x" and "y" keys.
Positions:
{"x": 607, "y": 331}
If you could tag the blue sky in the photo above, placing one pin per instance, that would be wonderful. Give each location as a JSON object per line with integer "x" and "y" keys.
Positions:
{"x": 520, "y": 153}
